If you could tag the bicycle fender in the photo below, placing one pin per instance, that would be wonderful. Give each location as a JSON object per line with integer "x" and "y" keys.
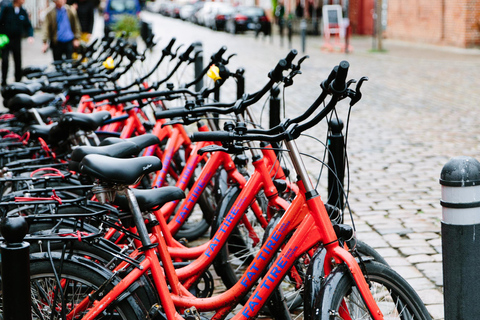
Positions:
{"x": 143, "y": 284}
{"x": 314, "y": 282}
{"x": 323, "y": 300}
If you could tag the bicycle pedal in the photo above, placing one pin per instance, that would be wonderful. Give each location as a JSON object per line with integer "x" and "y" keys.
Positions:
{"x": 156, "y": 313}
{"x": 192, "y": 314}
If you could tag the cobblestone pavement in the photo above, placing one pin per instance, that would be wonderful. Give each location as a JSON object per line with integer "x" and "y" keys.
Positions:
{"x": 418, "y": 110}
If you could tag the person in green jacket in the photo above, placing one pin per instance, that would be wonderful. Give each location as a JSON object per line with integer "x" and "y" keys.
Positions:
{"x": 15, "y": 24}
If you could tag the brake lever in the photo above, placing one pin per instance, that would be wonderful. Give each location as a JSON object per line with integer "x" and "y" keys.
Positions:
{"x": 190, "y": 60}
{"x": 231, "y": 148}
{"x": 358, "y": 94}
{"x": 211, "y": 148}
{"x": 229, "y": 57}
{"x": 301, "y": 61}
{"x": 174, "y": 55}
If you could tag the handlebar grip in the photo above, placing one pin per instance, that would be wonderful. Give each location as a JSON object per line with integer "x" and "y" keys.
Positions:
{"x": 290, "y": 56}
{"x": 108, "y": 96}
{"x": 217, "y": 57}
{"x": 92, "y": 91}
{"x": 276, "y": 74}
{"x": 339, "y": 85}
{"x": 171, "y": 113}
{"x": 184, "y": 56}
{"x": 212, "y": 136}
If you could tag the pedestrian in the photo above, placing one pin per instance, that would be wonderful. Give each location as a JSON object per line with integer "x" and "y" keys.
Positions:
{"x": 86, "y": 15}
{"x": 61, "y": 30}
{"x": 15, "y": 24}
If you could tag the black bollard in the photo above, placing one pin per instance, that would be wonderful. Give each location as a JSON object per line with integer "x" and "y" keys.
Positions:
{"x": 198, "y": 65}
{"x": 15, "y": 269}
{"x": 460, "y": 180}
{"x": 336, "y": 163}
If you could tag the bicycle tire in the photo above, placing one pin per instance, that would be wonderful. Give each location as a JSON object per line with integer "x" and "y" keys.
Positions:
{"x": 395, "y": 297}
{"x": 81, "y": 276}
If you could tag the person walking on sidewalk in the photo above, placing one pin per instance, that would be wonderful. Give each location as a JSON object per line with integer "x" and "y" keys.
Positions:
{"x": 86, "y": 16}
{"x": 61, "y": 31}
{"x": 15, "y": 24}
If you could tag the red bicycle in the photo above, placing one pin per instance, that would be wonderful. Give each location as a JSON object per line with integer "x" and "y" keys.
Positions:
{"x": 348, "y": 289}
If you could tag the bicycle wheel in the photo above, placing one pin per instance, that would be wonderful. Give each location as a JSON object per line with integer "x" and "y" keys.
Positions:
{"x": 394, "y": 296}
{"x": 79, "y": 278}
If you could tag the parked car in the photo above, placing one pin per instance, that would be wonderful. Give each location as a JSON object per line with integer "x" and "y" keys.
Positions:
{"x": 153, "y": 6}
{"x": 186, "y": 11}
{"x": 115, "y": 10}
{"x": 175, "y": 10}
{"x": 221, "y": 15}
{"x": 204, "y": 16}
{"x": 248, "y": 18}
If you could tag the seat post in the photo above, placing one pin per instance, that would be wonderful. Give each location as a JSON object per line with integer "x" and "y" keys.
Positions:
{"x": 137, "y": 215}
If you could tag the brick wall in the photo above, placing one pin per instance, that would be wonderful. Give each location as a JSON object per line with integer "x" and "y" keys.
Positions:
{"x": 443, "y": 22}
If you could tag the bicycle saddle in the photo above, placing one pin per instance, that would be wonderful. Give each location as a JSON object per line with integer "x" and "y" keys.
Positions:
{"x": 119, "y": 171}
{"x": 19, "y": 87}
{"x": 119, "y": 150}
{"x": 83, "y": 121}
{"x": 142, "y": 141}
{"x": 48, "y": 111}
{"x": 150, "y": 199}
{"x": 39, "y": 131}
{"x": 23, "y": 100}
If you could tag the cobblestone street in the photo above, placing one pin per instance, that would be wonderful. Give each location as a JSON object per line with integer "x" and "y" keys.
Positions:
{"x": 419, "y": 109}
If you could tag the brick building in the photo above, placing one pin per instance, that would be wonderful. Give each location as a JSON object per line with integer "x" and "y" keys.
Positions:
{"x": 441, "y": 22}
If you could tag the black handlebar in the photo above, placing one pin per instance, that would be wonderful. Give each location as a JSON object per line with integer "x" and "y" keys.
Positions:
{"x": 290, "y": 129}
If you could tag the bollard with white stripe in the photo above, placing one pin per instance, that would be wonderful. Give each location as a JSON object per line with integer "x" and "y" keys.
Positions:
{"x": 460, "y": 180}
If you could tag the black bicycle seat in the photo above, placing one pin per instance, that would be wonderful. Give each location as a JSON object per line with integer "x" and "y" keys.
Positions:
{"x": 83, "y": 121}
{"x": 119, "y": 150}
{"x": 19, "y": 87}
{"x": 150, "y": 199}
{"x": 23, "y": 100}
{"x": 39, "y": 131}
{"x": 142, "y": 141}
{"x": 119, "y": 171}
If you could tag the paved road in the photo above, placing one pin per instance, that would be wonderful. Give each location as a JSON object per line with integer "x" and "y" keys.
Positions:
{"x": 419, "y": 109}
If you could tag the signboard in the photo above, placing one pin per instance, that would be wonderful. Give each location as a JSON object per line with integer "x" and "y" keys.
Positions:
{"x": 333, "y": 20}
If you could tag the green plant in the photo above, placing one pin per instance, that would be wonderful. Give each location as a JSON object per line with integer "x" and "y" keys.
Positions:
{"x": 128, "y": 24}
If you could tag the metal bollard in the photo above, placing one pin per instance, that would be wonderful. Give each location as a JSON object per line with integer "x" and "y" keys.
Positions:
{"x": 15, "y": 269}
{"x": 336, "y": 162}
{"x": 460, "y": 180}
{"x": 198, "y": 65}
